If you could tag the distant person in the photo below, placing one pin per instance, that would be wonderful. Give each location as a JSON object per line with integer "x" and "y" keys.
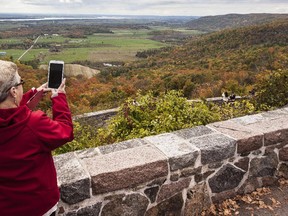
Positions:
{"x": 225, "y": 96}
{"x": 232, "y": 97}
{"x": 28, "y": 183}
{"x": 252, "y": 92}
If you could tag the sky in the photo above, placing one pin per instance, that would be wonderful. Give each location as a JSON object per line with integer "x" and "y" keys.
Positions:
{"x": 145, "y": 7}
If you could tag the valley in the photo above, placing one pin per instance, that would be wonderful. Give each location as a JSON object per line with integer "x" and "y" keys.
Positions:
{"x": 157, "y": 54}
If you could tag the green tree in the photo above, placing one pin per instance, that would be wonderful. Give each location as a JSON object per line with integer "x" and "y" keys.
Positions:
{"x": 272, "y": 90}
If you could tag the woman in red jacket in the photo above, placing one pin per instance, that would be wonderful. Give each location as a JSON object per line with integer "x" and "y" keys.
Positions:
{"x": 28, "y": 183}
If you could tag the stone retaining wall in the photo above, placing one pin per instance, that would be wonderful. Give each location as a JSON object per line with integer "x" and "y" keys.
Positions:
{"x": 178, "y": 173}
{"x": 96, "y": 119}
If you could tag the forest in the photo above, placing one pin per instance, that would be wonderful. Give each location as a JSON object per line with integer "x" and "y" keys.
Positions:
{"x": 203, "y": 66}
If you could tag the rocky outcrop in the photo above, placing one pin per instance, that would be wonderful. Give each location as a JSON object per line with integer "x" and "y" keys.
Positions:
{"x": 76, "y": 70}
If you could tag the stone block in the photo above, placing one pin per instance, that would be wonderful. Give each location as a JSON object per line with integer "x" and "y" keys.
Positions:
{"x": 243, "y": 163}
{"x": 178, "y": 151}
{"x": 274, "y": 148}
{"x": 93, "y": 210}
{"x": 126, "y": 169}
{"x": 263, "y": 166}
{"x": 158, "y": 181}
{"x": 73, "y": 180}
{"x": 172, "y": 207}
{"x": 189, "y": 133}
{"x": 214, "y": 147}
{"x": 268, "y": 181}
{"x": 131, "y": 204}
{"x": 283, "y": 171}
{"x": 106, "y": 149}
{"x": 247, "y": 139}
{"x": 227, "y": 178}
{"x": 197, "y": 200}
{"x": 275, "y": 130}
{"x": 283, "y": 154}
{"x": 250, "y": 185}
{"x": 276, "y": 137}
{"x": 248, "y": 119}
{"x": 151, "y": 193}
{"x": 173, "y": 188}
{"x": 174, "y": 176}
{"x": 190, "y": 171}
{"x": 272, "y": 124}
{"x": 220, "y": 197}
{"x": 87, "y": 153}
{"x": 284, "y": 109}
{"x": 275, "y": 114}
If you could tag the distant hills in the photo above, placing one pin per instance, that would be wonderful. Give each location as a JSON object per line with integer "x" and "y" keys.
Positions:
{"x": 226, "y": 44}
{"x": 171, "y": 20}
{"x": 215, "y": 23}
{"x": 230, "y": 59}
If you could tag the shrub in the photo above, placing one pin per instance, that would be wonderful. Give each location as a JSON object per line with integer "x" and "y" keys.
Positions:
{"x": 148, "y": 115}
{"x": 84, "y": 138}
{"x": 272, "y": 90}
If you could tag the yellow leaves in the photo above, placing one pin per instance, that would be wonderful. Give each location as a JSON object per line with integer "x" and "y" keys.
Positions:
{"x": 247, "y": 199}
{"x": 255, "y": 200}
{"x": 283, "y": 182}
{"x": 213, "y": 209}
{"x": 261, "y": 204}
{"x": 229, "y": 206}
{"x": 275, "y": 203}
{"x": 226, "y": 208}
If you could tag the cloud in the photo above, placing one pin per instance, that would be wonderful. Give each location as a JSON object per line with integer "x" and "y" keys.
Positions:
{"x": 51, "y": 3}
{"x": 70, "y": 1}
{"x": 48, "y": 2}
{"x": 129, "y": 3}
{"x": 146, "y": 7}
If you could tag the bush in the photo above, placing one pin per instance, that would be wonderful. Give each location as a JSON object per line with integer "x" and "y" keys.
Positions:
{"x": 272, "y": 90}
{"x": 84, "y": 138}
{"x": 235, "y": 109}
{"x": 149, "y": 115}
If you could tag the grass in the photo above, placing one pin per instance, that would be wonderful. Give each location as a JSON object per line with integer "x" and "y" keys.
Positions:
{"x": 11, "y": 41}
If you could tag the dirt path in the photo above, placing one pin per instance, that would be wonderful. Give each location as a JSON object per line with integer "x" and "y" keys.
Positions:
{"x": 35, "y": 41}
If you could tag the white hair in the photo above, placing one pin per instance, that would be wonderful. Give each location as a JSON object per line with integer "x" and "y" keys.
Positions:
{"x": 8, "y": 71}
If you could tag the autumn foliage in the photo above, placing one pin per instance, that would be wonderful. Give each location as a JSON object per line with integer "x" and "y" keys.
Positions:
{"x": 233, "y": 60}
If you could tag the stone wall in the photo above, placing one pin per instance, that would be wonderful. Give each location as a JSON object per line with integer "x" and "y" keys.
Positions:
{"x": 96, "y": 119}
{"x": 178, "y": 173}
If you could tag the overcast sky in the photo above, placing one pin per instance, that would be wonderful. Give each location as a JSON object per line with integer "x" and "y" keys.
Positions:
{"x": 145, "y": 7}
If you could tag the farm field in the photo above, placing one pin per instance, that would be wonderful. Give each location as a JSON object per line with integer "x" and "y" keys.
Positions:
{"x": 121, "y": 46}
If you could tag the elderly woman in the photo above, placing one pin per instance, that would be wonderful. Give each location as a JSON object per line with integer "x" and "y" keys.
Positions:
{"x": 28, "y": 183}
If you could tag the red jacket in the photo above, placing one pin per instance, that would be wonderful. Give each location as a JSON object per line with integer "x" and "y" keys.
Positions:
{"x": 28, "y": 183}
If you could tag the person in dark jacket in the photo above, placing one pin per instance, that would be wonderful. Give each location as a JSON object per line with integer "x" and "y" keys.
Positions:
{"x": 28, "y": 182}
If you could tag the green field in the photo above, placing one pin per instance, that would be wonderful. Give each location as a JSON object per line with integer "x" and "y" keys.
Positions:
{"x": 122, "y": 45}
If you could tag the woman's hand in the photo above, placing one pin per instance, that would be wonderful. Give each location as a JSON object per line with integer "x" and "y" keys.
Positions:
{"x": 61, "y": 89}
{"x": 43, "y": 87}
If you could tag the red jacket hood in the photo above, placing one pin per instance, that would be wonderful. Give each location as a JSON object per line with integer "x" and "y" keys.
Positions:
{"x": 12, "y": 122}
